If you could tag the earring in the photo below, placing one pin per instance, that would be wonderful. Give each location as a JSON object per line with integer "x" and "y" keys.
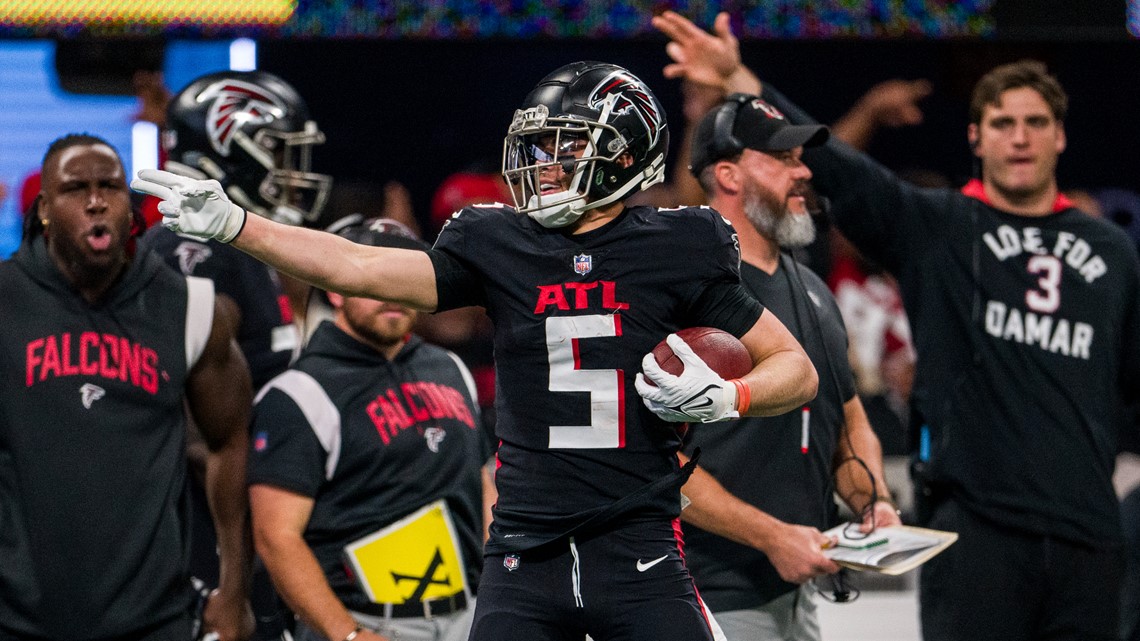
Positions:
{"x": 44, "y": 222}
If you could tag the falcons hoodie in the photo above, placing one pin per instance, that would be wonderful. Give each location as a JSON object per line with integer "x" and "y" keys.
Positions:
{"x": 92, "y": 518}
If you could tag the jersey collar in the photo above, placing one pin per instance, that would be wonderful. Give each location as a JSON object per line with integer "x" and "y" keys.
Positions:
{"x": 975, "y": 189}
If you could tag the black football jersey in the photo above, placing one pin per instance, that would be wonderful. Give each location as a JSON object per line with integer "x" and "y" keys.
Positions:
{"x": 267, "y": 336}
{"x": 574, "y": 315}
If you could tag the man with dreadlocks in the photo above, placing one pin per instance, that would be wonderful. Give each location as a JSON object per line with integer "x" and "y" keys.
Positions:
{"x": 92, "y": 431}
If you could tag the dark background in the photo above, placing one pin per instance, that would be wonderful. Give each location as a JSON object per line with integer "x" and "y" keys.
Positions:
{"x": 417, "y": 111}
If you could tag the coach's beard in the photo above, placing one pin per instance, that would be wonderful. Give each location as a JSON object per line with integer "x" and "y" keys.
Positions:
{"x": 789, "y": 229}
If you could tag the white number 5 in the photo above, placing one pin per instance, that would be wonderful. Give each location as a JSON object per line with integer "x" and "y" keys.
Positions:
{"x": 605, "y": 386}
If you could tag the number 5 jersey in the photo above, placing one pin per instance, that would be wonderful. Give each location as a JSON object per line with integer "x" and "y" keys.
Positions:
{"x": 574, "y": 315}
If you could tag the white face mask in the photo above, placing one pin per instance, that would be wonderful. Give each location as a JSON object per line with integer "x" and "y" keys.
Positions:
{"x": 564, "y": 211}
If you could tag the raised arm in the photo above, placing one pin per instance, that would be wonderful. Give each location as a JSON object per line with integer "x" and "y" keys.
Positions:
{"x": 888, "y": 219}
{"x": 705, "y": 58}
{"x": 337, "y": 264}
{"x": 219, "y": 397}
{"x": 201, "y": 208}
{"x": 891, "y": 103}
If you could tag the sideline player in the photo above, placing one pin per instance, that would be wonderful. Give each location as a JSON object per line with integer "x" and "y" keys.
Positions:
{"x": 92, "y": 433}
{"x": 580, "y": 289}
{"x": 250, "y": 131}
{"x": 1026, "y": 317}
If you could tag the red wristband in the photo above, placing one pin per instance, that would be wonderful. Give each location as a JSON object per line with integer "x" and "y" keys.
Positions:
{"x": 743, "y": 395}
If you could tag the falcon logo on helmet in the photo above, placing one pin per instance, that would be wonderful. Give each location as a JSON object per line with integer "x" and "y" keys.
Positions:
{"x": 235, "y": 104}
{"x": 633, "y": 96}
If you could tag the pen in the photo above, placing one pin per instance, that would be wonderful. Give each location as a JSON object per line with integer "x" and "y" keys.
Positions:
{"x": 804, "y": 430}
{"x": 861, "y": 546}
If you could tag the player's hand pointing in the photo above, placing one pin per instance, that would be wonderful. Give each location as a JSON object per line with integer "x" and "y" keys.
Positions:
{"x": 193, "y": 207}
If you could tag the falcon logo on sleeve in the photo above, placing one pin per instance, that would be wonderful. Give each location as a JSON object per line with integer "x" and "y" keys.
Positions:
{"x": 235, "y": 104}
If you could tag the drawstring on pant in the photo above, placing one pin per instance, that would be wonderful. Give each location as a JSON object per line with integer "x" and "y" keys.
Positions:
{"x": 576, "y": 577}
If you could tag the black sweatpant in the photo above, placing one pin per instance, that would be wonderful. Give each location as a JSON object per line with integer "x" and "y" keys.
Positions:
{"x": 1006, "y": 585}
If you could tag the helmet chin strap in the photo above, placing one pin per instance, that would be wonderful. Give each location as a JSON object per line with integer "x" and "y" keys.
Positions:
{"x": 561, "y": 214}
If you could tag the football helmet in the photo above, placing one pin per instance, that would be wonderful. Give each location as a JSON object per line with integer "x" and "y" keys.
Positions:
{"x": 600, "y": 110}
{"x": 250, "y": 131}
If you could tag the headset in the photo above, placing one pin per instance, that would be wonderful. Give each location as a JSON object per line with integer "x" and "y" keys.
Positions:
{"x": 725, "y": 143}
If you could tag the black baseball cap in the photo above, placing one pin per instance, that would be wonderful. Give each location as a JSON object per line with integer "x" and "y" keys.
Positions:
{"x": 756, "y": 125}
{"x": 377, "y": 232}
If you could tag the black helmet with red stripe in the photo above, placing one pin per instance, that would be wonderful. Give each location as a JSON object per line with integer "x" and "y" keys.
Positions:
{"x": 597, "y": 106}
{"x": 250, "y": 131}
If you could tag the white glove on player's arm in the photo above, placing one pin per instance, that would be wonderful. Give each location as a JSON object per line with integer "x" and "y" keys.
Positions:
{"x": 193, "y": 207}
{"x": 697, "y": 395}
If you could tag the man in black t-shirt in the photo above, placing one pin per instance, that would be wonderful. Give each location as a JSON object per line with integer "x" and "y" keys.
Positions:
{"x": 1026, "y": 318}
{"x": 764, "y": 490}
{"x": 580, "y": 289}
{"x": 114, "y": 347}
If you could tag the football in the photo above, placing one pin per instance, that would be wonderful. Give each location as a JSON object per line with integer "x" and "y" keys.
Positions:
{"x": 723, "y": 352}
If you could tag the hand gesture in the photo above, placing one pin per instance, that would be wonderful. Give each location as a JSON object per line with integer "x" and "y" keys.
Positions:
{"x": 697, "y": 395}
{"x": 698, "y": 56}
{"x": 193, "y": 207}
{"x": 894, "y": 103}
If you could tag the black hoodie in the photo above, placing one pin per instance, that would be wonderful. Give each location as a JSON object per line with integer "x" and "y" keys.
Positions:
{"x": 92, "y": 521}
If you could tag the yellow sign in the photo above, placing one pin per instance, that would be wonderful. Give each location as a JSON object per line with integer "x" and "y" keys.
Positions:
{"x": 414, "y": 559}
{"x": 173, "y": 12}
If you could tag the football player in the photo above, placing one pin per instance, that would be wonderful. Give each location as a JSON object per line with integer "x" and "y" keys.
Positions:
{"x": 115, "y": 347}
{"x": 251, "y": 132}
{"x": 585, "y": 537}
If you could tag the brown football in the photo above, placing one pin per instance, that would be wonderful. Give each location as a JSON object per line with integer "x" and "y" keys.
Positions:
{"x": 722, "y": 351}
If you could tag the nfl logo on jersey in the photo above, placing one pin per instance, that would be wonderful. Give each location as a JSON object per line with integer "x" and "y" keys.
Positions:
{"x": 583, "y": 263}
{"x": 511, "y": 562}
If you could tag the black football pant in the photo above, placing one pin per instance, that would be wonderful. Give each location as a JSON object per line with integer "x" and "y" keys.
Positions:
{"x": 626, "y": 585}
{"x": 1000, "y": 584}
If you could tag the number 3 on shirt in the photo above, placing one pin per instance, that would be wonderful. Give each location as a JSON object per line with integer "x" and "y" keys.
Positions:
{"x": 1047, "y": 297}
{"x": 605, "y": 386}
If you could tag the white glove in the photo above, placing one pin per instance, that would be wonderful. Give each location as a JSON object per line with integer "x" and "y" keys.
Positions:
{"x": 697, "y": 395}
{"x": 193, "y": 207}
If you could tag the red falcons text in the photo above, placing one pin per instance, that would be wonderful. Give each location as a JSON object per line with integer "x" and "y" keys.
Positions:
{"x": 416, "y": 402}
{"x": 91, "y": 354}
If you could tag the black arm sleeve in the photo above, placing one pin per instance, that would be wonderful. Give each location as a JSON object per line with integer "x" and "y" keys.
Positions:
{"x": 728, "y": 306}
{"x": 456, "y": 286}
